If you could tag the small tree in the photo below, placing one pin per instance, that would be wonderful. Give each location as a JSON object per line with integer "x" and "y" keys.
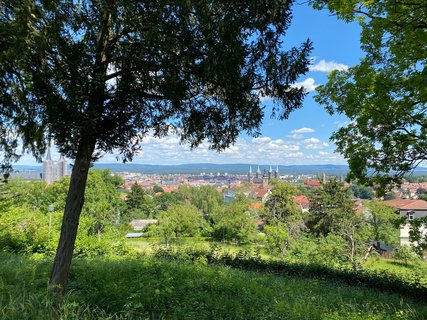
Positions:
{"x": 283, "y": 218}
{"x": 281, "y": 204}
{"x": 405, "y": 254}
{"x": 139, "y": 203}
{"x": 382, "y": 221}
{"x": 362, "y": 192}
{"x": 234, "y": 222}
{"x": 329, "y": 205}
{"x": 158, "y": 189}
{"x": 180, "y": 220}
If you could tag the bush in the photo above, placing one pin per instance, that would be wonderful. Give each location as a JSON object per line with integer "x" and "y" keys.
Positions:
{"x": 25, "y": 231}
{"x": 405, "y": 254}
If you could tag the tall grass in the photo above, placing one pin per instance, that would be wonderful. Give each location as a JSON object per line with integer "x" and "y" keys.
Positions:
{"x": 150, "y": 288}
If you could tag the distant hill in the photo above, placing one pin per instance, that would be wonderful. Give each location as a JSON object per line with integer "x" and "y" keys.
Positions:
{"x": 197, "y": 168}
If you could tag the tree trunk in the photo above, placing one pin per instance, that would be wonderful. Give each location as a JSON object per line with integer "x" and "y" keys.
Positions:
{"x": 70, "y": 221}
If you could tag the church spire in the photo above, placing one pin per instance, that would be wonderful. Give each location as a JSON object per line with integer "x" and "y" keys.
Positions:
{"x": 48, "y": 157}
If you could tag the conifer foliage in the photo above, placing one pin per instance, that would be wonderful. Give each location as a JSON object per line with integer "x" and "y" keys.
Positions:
{"x": 98, "y": 76}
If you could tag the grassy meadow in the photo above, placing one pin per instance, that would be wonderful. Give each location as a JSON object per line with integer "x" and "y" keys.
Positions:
{"x": 144, "y": 287}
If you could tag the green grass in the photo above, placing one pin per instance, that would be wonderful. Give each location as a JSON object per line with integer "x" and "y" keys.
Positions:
{"x": 397, "y": 266}
{"x": 148, "y": 288}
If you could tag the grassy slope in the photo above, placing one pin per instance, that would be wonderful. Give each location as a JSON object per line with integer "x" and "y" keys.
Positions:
{"x": 144, "y": 287}
{"x": 397, "y": 266}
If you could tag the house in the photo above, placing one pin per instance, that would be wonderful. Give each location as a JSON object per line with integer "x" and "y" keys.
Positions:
{"x": 411, "y": 209}
{"x": 229, "y": 195}
{"x": 261, "y": 193}
{"x": 312, "y": 183}
{"x": 302, "y": 202}
{"x": 141, "y": 224}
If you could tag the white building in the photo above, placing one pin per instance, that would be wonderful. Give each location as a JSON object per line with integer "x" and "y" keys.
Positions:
{"x": 411, "y": 209}
{"x": 54, "y": 170}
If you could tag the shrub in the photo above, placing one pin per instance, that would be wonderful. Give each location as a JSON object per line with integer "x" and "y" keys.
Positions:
{"x": 405, "y": 254}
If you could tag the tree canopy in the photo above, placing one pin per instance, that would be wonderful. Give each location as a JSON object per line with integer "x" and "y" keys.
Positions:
{"x": 385, "y": 95}
{"x": 330, "y": 207}
{"x": 98, "y": 76}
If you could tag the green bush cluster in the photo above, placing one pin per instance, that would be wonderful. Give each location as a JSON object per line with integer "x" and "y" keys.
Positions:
{"x": 25, "y": 231}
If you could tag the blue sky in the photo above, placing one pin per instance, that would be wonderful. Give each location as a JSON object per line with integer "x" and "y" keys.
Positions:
{"x": 304, "y": 137}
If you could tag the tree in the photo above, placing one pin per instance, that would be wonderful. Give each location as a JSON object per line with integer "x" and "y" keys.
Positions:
{"x": 418, "y": 235}
{"x": 180, "y": 220}
{"x": 390, "y": 195}
{"x": 405, "y": 253}
{"x": 139, "y": 203}
{"x": 362, "y": 192}
{"x": 278, "y": 237}
{"x": 158, "y": 189}
{"x": 283, "y": 218}
{"x": 99, "y": 76}
{"x": 281, "y": 203}
{"x": 385, "y": 95}
{"x": 233, "y": 222}
{"x": 383, "y": 222}
{"x": 329, "y": 206}
{"x": 207, "y": 199}
{"x": 164, "y": 200}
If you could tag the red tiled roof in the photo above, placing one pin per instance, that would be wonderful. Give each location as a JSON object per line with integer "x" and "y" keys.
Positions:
{"x": 262, "y": 192}
{"x": 301, "y": 200}
{"x": 171, "y": 188}
{"x": 312, "y": 183}
{"x": 408, "y": 204}
{"x": 255, "y": 205}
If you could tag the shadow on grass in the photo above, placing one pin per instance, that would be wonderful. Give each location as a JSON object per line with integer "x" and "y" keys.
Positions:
{"x": 146, "y": 287}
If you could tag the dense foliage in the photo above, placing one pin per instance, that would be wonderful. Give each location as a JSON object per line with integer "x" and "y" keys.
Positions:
{"x": 27, "y": 226}
{"x": 384, "y": 96}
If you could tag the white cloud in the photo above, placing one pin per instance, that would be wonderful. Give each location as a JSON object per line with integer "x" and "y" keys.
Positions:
{"x": 314, "y": 146}
{"x": 344, "y": 123}
{"x": 307, "y": 84}
{"x": 311, "y": 140}
{"x": 262, "y": 150}
{"x": 314, "y": 143}
{"x": 328, "y": 66}
{"x": 303, "y": 130}
{"x": 261, "y": 140}
{"x": 296, "y": 136}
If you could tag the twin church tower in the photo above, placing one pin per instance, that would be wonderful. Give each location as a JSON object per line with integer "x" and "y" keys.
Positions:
{"x": 54, "y": 170}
